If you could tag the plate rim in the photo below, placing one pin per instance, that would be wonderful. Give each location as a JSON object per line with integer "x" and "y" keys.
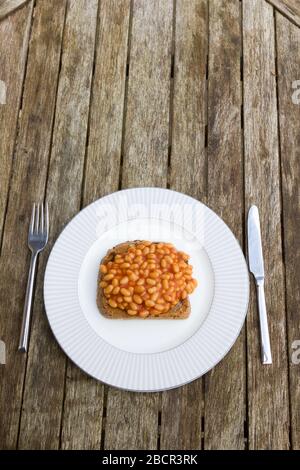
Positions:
{"x": 243, "y": 315}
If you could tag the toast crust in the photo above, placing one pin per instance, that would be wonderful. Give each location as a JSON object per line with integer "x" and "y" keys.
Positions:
{"x": 180, "y": 311}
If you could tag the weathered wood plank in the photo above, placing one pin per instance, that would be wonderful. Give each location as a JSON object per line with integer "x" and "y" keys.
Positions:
{"x": 225, "y": 385}
{"x": 107, "y": 106}
{"x": 83, "y": 407}
{"x": 290, "y": 8}
{"x": 132, "y": 419}
{"x": 147, "y": 122}
{"x": 14, "y": 37}
{"x": 288, "y": 59}
{"x": 8, "y": 6}
{"x": 82, "y": 411}
{"x": 267, "y": 385}
{"x": 188, "y": 158}
{"x": 27, "y": 186}
{"x": 45, "y": 377}
{"x": 181, "y": 417}
{"x": 181, "y": 411}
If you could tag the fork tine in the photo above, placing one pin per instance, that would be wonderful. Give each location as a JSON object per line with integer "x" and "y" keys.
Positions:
{"x": 47, "y": 220}
{"x": 42, "y": 219}
{"x": 31, "y": 226}
{"x": 37, "y": 218}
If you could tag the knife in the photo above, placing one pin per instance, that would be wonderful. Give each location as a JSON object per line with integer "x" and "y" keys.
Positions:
{"x": 256, "y": 266}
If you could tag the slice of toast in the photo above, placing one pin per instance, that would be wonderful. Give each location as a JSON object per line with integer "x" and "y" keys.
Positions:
{"x": 179, "y": 311}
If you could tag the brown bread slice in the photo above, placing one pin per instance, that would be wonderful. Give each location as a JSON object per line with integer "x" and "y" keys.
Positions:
{"x": 178, "y": 312}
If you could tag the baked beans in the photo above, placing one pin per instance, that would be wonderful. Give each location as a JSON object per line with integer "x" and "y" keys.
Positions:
{"x": 149, "y": 278}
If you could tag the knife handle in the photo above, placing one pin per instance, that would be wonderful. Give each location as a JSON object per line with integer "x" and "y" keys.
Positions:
{"x": 266, "y": 355}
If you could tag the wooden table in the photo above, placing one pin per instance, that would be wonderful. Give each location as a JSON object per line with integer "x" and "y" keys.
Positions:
{"x": 196, "y": 96}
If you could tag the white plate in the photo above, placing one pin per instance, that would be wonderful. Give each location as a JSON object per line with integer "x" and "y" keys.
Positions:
{"x": 146, "y": 355}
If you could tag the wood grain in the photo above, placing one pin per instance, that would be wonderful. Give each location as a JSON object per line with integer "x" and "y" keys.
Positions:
{"x": 132, "y": 419}
{"x": 181, "y": 411}
{"x": 188, "y": 159}
{"x": 267, "y": 385}
{"x": 84, "y": 400}
{"x": 45, "y": 377}
{"x": 181, "y": 417}
{"x": 290, "y": 8}
{"x": 14, "y": 37}
{"x": 27, "y": 185}
{"x": 8, "y": 6}
{"x": 104, "y": 106}
{"x": 82, "y": 411}
{"x": 147, "y": 117}
{"x": 107, "y": 105}
{"x": 225, "y": 385}
{"x": 288, "y": 59}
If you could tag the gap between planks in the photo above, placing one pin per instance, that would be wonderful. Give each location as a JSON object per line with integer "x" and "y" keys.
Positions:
{"x": 244, "y": 235}
{"x": 126, "y": 93}
{"x": 282, "y": 222}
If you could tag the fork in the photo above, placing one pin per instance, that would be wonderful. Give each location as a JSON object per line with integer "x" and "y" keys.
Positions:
{"x": 37, "y": 240}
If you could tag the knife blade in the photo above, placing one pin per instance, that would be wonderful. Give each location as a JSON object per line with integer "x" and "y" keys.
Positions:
{"x": 256, "y": 261}
{"x": 256, "y": 267}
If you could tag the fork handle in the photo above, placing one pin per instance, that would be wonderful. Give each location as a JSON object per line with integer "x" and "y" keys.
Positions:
{"x": 23, "y": 343}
